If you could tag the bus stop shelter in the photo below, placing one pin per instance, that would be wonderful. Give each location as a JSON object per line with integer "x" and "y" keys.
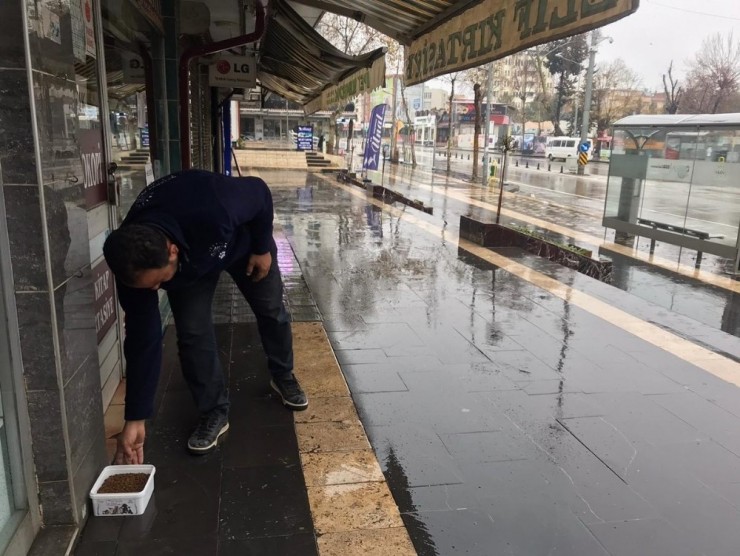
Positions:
{"x": 674, "y": 178}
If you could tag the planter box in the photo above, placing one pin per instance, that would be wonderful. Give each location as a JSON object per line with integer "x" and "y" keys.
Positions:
{"x": 489, "y": 234}
{"x": 124, "y": 503}
{"x": 382, "y": 193}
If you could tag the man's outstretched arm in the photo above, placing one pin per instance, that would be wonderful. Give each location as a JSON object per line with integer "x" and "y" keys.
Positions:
{"x": 142, "y": 348}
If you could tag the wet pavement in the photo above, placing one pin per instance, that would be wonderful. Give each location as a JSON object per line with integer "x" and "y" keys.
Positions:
{"x": 515, "y": 407}
{"x": 507, "y": 416}
{"x": 211, "y": 504}
{"x": 579, "y": 223}
{"x": 280, "y": 482}
{"x": 247, "y": 497}
{"x": 551, "y": 186}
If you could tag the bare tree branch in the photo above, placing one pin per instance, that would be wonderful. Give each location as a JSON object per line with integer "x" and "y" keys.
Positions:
{"x": 672, "y": 94}
{"x": 617, "y": 93}
{"x": 713, "y": 82}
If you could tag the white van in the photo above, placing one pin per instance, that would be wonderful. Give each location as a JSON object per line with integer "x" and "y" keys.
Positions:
{"x": 562, "y": 147}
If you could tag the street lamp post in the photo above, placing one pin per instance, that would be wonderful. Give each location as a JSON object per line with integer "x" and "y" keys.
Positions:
{"x": 589, "y": 89}
{"x": 588, "y": 94}
{"x": 486, "y": 136}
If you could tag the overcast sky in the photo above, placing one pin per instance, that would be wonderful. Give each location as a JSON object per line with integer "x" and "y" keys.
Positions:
{"x": 661, "y": 31}
{"x": 665, "y": 30}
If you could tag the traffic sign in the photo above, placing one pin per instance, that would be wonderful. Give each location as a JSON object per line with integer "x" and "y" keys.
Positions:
{"x": 584, "y": 147}
{"x": 582, "y": 159}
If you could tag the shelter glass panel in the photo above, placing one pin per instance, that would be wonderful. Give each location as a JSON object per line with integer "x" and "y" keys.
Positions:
{"x": 676, "y": 183}
{"x": 714, "y": 204}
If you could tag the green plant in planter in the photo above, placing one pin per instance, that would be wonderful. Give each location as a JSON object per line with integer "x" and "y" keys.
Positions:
{"x": 567, "y": 246}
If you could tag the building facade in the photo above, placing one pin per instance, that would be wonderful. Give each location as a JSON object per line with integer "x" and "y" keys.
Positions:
{"x": 87, "y": 119}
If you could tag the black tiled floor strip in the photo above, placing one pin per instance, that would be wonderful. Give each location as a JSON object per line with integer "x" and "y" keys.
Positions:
{"x": 230, "y": 307}
{"x": 247, "y": 497}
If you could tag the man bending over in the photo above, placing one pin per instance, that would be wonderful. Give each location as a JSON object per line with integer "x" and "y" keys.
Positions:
{"x": 182, "y": 231}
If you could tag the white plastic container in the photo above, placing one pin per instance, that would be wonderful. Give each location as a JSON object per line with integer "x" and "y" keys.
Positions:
{"x": 126, "y": 503}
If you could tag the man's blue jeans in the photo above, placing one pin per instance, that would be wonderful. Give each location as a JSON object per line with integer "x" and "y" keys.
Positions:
{"x": 196, "y": 339}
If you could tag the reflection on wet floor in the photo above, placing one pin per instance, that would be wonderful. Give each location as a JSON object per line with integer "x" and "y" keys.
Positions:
{"x": 508, "y": 420}
{"x": 711, "y": 305}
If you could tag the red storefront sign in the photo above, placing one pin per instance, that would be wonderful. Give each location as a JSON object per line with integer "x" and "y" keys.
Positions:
{"x": 93, "y": 171}
{"x": 105, "y": 301}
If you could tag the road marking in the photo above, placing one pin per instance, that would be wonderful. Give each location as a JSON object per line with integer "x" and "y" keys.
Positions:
{"x": 718, "y": 365}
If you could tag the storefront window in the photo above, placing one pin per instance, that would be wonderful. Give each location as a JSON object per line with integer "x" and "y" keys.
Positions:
{"x": 7, "y": 502}
{"x": 129, "y": 130}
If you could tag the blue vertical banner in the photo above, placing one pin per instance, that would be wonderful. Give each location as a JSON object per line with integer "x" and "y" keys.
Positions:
{"x": 374, "y": 138}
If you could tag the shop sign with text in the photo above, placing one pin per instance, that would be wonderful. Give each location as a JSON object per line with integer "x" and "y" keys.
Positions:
{"x": 105, "y": 301}
{"x": 492, "y": 29}
{"x": 239, "y": 72}
{"x": 87, "y": 18}
{"x": 362, "y": 81}
{"x": 93, "y": 169}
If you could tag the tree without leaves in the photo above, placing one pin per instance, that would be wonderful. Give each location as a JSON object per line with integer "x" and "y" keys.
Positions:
{"x": 673, "y": 93}
{"x": 395, "y": 58}
{"x": 348, "y": 35}
{"x": 522, "y": 74}
{"x": 530, "y": 86}
{"x": 713, "y": 82}
{"x": 410, "y": 134}
{"x": 474, "y": 77}
{"x": 451, "y": 78}
{"x": 353, "y": 38}
{"x": 616, "y": 94}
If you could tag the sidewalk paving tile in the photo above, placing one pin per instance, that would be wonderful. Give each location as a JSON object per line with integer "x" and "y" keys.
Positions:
{"x": 345, "y": 507}
{"x": 337, "y": 468}
{"x": 368, "y": 542}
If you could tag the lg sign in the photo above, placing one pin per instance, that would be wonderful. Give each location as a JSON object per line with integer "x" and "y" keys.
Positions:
{"x": 223, "y": 67}
{"x": 233, "y": 71}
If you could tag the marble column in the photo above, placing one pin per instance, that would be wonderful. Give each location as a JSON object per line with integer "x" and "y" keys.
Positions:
{"x": 41, "y": 179}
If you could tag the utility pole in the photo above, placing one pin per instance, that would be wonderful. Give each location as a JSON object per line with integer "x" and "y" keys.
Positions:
{"x": 589, "y": 91}
{"x": 575, "y": 118}
{"x": 489, "y": 96}
{"x": 394, "y": 146}
{"x": 287, "y": 131}
{"x": 451, "y": 122}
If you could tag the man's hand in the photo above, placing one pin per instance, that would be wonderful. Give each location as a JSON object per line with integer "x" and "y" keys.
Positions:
{"x": 130, "y": 448}
{"x": 259, "y": 266}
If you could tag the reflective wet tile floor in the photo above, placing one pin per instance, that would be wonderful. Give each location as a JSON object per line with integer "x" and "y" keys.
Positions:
{"x": 515, "y": 408}
{"x": 519, "y": 408}
{"x": 570, "y": 221}
{"x": 232, "y": 501}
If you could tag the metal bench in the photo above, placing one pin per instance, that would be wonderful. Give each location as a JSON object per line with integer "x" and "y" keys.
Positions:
{"x": 699, "y": 234}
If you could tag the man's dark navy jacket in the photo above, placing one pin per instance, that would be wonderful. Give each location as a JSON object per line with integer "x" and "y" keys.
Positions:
{"x": 214, "y": 220}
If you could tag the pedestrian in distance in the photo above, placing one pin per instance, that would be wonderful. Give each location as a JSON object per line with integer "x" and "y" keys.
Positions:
{"x": 180, "y": 234}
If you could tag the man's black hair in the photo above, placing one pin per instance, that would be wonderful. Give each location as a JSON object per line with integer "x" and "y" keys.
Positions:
{"x": 133, "y": 248}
